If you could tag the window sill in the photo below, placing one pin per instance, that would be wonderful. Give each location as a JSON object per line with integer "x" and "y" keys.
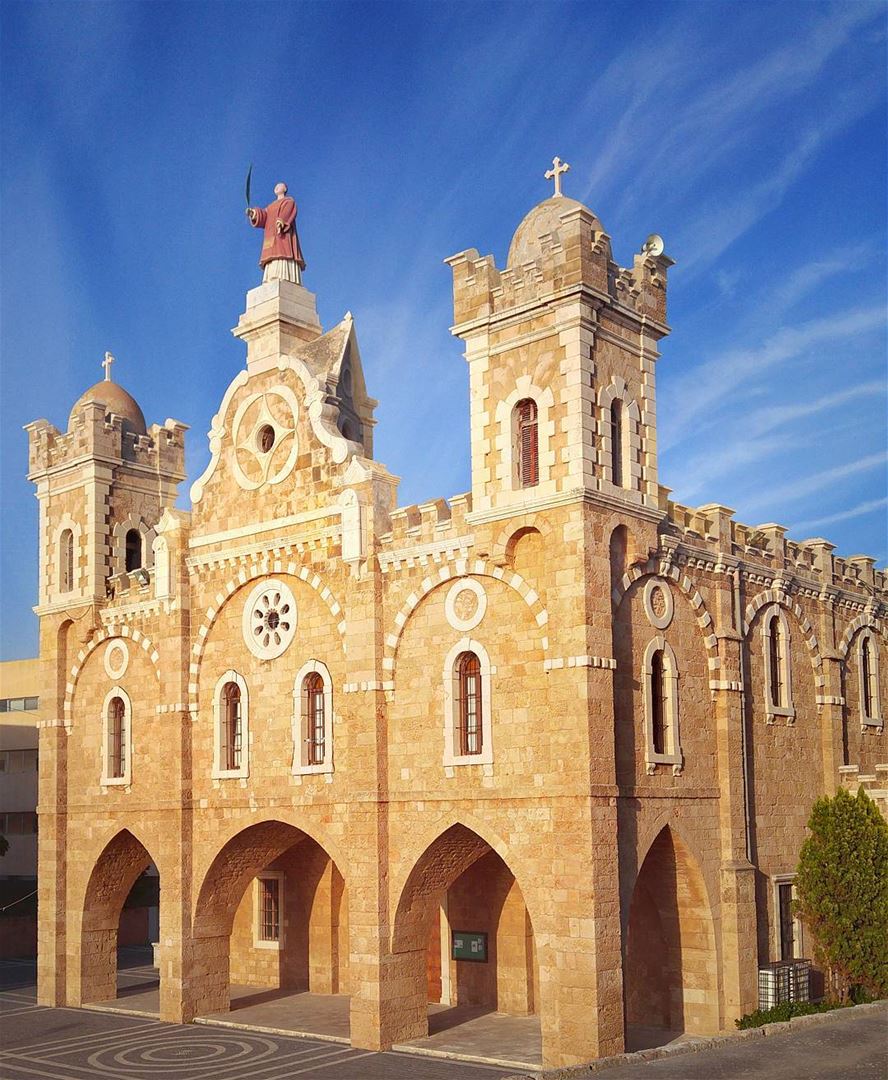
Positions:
{"x": 116, "y": 781}
{"x": 468, "y": 759}
{"x": 274, "y": 946}
{"x": 676, "y": 761}
{"x": 773, "y": 711}
{"x": 240, "y": 774}
{"x": 312, "y": 770}
{"x": 871, "y": 723}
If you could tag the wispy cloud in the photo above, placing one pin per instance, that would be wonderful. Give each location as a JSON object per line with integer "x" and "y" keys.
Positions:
{"x": 774, "y": 416}
{"x": 821, "y": 481}
{"x": 708, "y": 384}
{"x": 843, "y": 515}
{"x": 694, "y": 475}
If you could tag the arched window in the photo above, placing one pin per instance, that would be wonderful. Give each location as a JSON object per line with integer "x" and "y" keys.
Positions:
{"x": 231, "y": 738}
{"x": 471, "y": 735}
{"x": 868, "y": 671}
{"x": 658, "y": 703}
{"x": 116, "y": 737}
{"x": 528, "y": 443}
{"x": 66, "y": 561}
{"x": 616, "y": 434}
{"x": 659, "y": 680}
{"x": 776, "y": 657}
{"x": 313, "y": 717}
{"x": 133, "y": 547}
{"x": 232, "y": 731}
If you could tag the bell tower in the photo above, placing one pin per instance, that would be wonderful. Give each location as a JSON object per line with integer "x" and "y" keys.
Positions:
{"x": 102, "y": 486}
{"x": 562, "y": 347}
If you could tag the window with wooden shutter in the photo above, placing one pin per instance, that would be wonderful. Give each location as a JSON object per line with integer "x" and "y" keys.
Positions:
{"x": 116, "y": 738}
{"x": 658, "y": 703}
{"x": 66, "y": 561}
{"x": 313, "y": 718}
{"x": 616, "y": 433}
{"x": 269, "y": 909}
{"x": 528, "y": 443}
{"x": 232, "y": 733}
{"x": 469, "y": 703}
{"x": 775, "y": 665}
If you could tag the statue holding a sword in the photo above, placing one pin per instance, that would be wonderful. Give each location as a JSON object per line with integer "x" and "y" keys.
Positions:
{"x": 281, "y": 257}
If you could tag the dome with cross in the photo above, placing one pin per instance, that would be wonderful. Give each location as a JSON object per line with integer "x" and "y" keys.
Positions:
{"x": 115, "y": 399}
{"x": 543, "y": 220}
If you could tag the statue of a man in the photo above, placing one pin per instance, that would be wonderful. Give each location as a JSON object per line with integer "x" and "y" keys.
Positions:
{"x": 281, "y": 256}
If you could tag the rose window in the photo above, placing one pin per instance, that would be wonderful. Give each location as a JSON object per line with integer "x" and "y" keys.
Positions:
{"x": 269, "y": 621}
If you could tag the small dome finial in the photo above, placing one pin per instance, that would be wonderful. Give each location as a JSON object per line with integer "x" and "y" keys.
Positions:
{"x": 106, "y": 364}
{"x": 558, "y": 168}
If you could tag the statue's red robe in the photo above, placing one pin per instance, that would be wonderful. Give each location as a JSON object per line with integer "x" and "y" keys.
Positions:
{"x": 278, "y": 244}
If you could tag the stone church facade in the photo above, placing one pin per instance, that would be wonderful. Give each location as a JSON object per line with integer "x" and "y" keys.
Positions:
{"x": 559, "y": 710}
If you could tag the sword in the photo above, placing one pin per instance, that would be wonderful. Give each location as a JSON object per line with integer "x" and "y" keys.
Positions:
{"x": 247, "y": 189}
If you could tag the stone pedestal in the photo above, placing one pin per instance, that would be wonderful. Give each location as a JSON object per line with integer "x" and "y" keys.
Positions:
{"x": 278, "y": 314}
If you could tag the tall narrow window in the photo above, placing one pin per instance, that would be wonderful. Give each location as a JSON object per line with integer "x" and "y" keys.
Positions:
{"x": 658, "y": 703}
{"x": 232, "y": 731}
{"x": 469, "y": 704}
{"x": 528, "y": 443}
{"x": 787, "y": 927}
{"x": 775, "y": 661}
{"x": 269, "y": 909}
{"x": 66, "y": 561}
{"x": 133, "y": 550}
{"x": 116, "y": 738}
{"x": 616, "y": 434}
{"x": 866, "y": 677}
{"x": 314, "y": 719}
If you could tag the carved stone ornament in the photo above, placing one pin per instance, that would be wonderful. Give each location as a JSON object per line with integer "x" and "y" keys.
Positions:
{"x": 264, "y": 436}
{"x": 658, "y": 603}
{"x": 465, "y": 605}
{"x": 269, "y": 619}
{"x": 116, "y": 659}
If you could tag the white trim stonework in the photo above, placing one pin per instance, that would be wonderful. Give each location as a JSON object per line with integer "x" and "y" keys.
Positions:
{"x": 652, "y": 586}
{"x": 147, "y": 534}
{"x": 116, "y": 668}
{"x": 127, "y": 738}
{"x": 241, "y": 773}
{"x": 55, "y": 589}
{"x": 465, "y": 585}
{"x": 509, "y": 483}
{"x": 269, "y": 619}
{"x": 451, "y": 719}
{"x": 875, "y": 718}
{"x": 301, "y": 766}
{"x": 784, "y": 659}
{"x": 672, "y": 754}
{"x": 260, "y": 942}
{"x": 617, "y": 390}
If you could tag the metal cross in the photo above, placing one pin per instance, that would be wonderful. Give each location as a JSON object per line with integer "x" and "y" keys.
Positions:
{"x": 106, "y": 364}
{"x": 558, "y": 167}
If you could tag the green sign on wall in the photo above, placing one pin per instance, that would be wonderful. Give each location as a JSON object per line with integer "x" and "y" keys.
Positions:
{"x": 468, "y": 945}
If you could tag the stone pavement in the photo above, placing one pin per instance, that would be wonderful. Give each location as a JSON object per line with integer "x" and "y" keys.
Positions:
{"x": 82, "y": 1044}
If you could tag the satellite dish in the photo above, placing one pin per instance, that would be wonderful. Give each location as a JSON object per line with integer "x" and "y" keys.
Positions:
{"x": 653, "y": 245}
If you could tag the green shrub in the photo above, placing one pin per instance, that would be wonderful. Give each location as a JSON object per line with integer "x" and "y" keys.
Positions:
{"x": 786, "y": 1010}
{"x": 842, "y": 887}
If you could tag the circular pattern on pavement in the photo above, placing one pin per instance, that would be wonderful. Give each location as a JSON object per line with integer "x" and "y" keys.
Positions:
{"x": 185, "y": 1052}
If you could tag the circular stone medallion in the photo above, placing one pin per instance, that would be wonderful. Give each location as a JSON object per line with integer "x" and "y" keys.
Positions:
{"x": 116, "y": 659}
{"x": 658, "y": 604}
{"x": 466, "y": 604}
{"x": 269, "y": 620}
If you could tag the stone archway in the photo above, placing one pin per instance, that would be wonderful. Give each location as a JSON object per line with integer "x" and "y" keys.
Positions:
{"x": 311, "y": 952}
{"x": 460, "y": 883}
{"x": 670, "y": 966}
{"x": 123, "y": 860}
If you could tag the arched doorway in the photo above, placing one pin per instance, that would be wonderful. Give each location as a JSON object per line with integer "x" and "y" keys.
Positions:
{"x": 671, "y": 968}
{"x": 119, "y": 918}
{"x": 271, "y": 926}
{"x": 464, "y": 948}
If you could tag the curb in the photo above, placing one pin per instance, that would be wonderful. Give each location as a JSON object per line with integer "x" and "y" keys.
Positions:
{"x": 706, "y": 1042}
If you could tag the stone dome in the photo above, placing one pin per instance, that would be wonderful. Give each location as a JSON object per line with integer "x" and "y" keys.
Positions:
{"x": 116, "y": 400}
{"x": 544, "y": 218}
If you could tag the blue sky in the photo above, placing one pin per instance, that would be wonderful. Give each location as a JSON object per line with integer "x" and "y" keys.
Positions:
{"x": 750, "y": 135}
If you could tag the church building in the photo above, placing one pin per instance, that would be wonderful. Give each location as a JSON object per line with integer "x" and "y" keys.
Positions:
{"x": 546, "y": 748}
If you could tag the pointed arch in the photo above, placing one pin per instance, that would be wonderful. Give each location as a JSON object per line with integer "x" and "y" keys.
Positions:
{"x": 671, "y": 962}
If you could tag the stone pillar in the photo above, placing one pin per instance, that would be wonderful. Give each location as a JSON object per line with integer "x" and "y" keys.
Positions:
{"x": 739, "y": 980}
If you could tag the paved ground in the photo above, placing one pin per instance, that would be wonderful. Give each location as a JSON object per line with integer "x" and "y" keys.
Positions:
{"x": 846, "y": 1047}
{"x": 82, "y": 1044}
